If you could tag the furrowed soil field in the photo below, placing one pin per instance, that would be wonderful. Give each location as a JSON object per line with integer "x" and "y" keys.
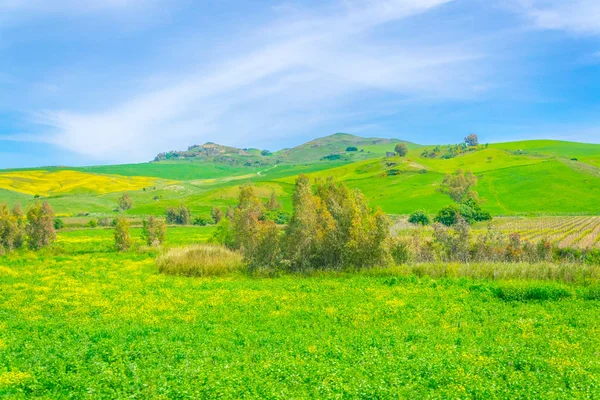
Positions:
{"x": 81, "y": 321}
{"x": 582, "y": 232}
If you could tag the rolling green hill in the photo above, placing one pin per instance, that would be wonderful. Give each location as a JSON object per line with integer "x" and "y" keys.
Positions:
{"x": 537, "y": 177}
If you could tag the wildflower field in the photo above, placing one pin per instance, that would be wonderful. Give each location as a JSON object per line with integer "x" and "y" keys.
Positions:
{"x": 78, "y": 320}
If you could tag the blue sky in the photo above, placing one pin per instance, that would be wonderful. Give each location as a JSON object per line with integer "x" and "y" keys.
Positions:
{"x": 107, "y": 81}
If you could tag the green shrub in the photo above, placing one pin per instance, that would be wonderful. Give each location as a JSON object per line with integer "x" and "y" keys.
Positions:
{"x": 202, "y": 221}
{"x": 40, "y": 226}
{"x": 123, "y": 241}
{"x": 12, "y": 233}
{"x": 526, "y": 291}
{"x": 199, "y": 260}
{"x": 180, "y": 215}
{"x": 419, "y": 218}
{"x": 59, "y": 223}
{"x": 92, "y": 223}
{"x": 125, "y": 202}
{"x": 351, "y": 148}
{"x": 154, "y": 231}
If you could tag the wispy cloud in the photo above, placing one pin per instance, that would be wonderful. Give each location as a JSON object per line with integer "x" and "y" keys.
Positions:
{"x": 301, "y": 70}
{"x": 577, "y": 16}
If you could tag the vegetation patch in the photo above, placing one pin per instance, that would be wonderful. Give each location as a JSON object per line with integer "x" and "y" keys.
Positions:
{"x": 531, "y": 291}
{"x": 199, "y": 260}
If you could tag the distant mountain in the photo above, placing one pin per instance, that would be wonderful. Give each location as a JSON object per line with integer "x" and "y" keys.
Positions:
{"x": 339, "y": 146}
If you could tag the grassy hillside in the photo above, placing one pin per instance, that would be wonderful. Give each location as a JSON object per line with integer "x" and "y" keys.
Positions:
{"x": 517, "y": 178}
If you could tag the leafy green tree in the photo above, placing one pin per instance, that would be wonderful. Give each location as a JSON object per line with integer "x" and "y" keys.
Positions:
{"x": 458, "y": 186}
{"x": 11, "y": 228}
{"x": 273, "y": 203}
{"x": 401, "y": 149}
{"x": 351, "y": 148}
{"x": 472, "y": 140}
{"x": 333, "y": 228}
{"x": 125, "y": 202}
{"x": 154, "y": 231}
{"x": 59, "y": 223}
{"x": 217, "y": 214}
{"x": 180, "y": 215}
{"x": 123, "y": 241}
{"x": 40, "y": 226}
{"x": 419, "y": 217}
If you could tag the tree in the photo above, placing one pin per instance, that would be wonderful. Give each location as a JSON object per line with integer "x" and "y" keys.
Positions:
{"x": 351, "y": 148}
{"x": 401, "y": 149}
{"x": 11, "y": 228}
{"x": 58, "y": 223}
{"x": 333, "y": 228}
{"x": 217, "y": 214}
{"x": 273, "y": 203}
{"x": 419, "y": 217}
{"x": 458, "y": 186}
{"x": 40, "y": 226}
{"x": 472, "y": 140}
{"x": 154, "y": 231}
{"x": 265, "y": 153}
{"x": 123, "y": 241}
{"x": 180, "y": 215}
{"x": 125, "y": 202}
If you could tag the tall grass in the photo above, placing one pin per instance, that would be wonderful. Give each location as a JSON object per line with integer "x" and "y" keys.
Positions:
{"x": 199, "y": 260}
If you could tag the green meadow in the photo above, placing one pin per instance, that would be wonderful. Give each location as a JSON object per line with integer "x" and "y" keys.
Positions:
{"x": 79, "y": 320}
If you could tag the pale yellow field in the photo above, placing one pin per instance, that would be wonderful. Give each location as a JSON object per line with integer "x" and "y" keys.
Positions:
{"x": 45, "y": 183}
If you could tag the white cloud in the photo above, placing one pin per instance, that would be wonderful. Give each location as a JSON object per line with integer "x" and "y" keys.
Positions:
{"x": 302, "y": 71}
{"x": 577, "y": 16}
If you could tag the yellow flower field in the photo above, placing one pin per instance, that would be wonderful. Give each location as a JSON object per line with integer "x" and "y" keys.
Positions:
{"x": 45, "y": 183}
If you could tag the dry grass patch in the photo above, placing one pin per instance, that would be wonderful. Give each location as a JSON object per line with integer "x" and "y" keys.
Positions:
{"x": 199, "y": 260}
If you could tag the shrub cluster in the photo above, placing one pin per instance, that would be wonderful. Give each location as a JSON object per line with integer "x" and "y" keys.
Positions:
{"x": 37, "y": 229}
{"x": 457, "y": 243}
{"x": 332, "y": 227}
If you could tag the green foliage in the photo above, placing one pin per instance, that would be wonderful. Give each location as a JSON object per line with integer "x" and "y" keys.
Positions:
{"x": 332, "y": 157}
{"x": 273, "y": 203}
{"x": 92, "y": 223}
{"x": 125, "y": 202}
{"x": 351, "y": 148}
{"x": 472, "y": 140}
{"x": 526, "y": 291}
{"x": 224, "y": 234}
{"x": 458, "y": 186}
{"x": 154, "y": 231}
{"x": 178, "y": 215}
{"x": 419, "y": 217}
{"x": 202, "y": 220}
{"x": 470, "y": 211}
{"x": 12, "y": 232}
{"x": 123, "y": 240}
{"x": 401, "y": 149}
{"x": 265, "y": 153}
{"x": 216, "y": 214}
{"x": 279, "y": 217}
{"x": 59, "y": 223}
{"x": 334, "y": 228}
{"x": 40, "y": 226}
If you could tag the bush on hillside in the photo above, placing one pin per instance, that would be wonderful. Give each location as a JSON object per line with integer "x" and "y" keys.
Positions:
{"x": 59, "y": 223}
{"x": 419, "y": 217}
{"x": 125, "y": 202}
{"x": 154, "y": 231}
{"x": 123, "y": 241}
{"x": 333, "y": 227}
{"x": 178, "y": 215}
{"x": 40, "y": 226}
{"x": 351, "y": 148}
{"x": 216, "y": 214}
{"x": 199, "y": 260}
{"x": 11, "y": 228}
{"x": 401, "y": 149}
